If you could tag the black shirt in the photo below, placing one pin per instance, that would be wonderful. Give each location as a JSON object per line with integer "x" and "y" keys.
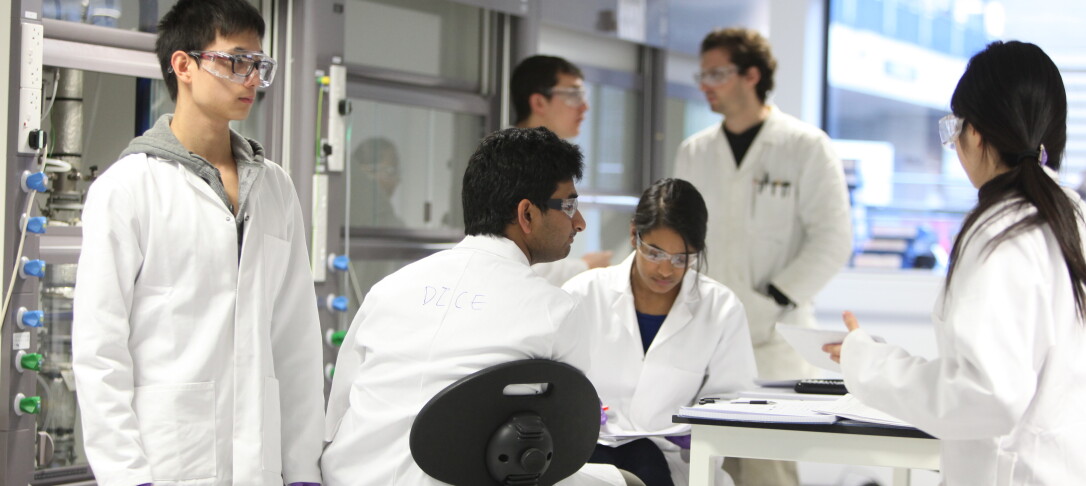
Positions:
{"x": 740, "y": 142}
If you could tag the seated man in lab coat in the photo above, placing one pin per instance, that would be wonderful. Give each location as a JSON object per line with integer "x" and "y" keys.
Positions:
{"x": 194, "y": 306}
{"x": 461, "y": 310}
{"x": 548, "y": 91}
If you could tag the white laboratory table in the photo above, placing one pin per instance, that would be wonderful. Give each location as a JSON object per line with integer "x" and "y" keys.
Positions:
{"x": 845, "y": 442}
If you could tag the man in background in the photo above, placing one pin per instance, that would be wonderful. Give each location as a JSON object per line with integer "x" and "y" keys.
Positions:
{"x": 779, "y": 224}
{"x": 548, "y": 91}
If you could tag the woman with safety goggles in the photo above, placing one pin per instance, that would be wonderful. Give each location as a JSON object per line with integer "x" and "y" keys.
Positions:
{"x": 1005, "y": 395}
{"x": 663, "y": 335}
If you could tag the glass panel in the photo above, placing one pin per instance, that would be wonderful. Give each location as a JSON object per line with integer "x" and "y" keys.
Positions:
{"x": 684, "y": 117}
{"x": 609, "y": 141}
{"x": 892, "y": 67}
{"x": 368, "y": 272}
{"x": 56, "y": 383}
{"x": 122, "y": 14}
{"x": 440, "y": 39}
{"x": 90, "y": 117}
{"x": 607, "y": 228}
{"x": 407, "y": 165}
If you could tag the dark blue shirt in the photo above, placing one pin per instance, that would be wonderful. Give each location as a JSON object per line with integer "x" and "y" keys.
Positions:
{"x": 649, "y": 325}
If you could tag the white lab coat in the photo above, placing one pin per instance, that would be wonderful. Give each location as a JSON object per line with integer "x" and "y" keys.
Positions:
{"x": 179, "y": 350}
{"x": 796, "y": 236}
{"x": 558, "y": 271}
{"x": 702, "y": 349}
{"x": 1006, "y": 393}
{"x": 422, "y": 328}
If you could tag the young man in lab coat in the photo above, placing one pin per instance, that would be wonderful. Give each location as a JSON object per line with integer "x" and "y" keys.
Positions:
{"x": 196, "y": 344}
{"x": 462, "y": 310}
{"x": 779, "y": 225}
{"x": 548, "y": 91}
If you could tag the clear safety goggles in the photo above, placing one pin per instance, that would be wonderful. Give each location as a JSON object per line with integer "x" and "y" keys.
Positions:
{"x": 950, "y": 128}
{"x": 656, "y": 255}
{"x": 715, "y": 76}
{"x": 568, "y": 206}
{"x": 237, "y": 67}
{"x": 573, "y": 97}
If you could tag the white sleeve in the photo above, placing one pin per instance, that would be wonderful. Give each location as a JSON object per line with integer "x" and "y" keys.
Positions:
{"x": 558, "y": 272}
{"x": 349, "y": 360}
{"x": 732, "y": 367}
{"x": 570, "y": 345}
{"x": 109, "y": 262}
{"x": 298, "y": 357}
{"x": 985, "y": 377}
{"x": 824, "y": 214}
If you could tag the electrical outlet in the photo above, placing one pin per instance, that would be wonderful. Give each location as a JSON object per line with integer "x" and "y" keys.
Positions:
{"x": 337, "y": 126}
{"x": 30, "y": 67}
{"x": 31, "y": 56}
{"x": 29, "y": 116}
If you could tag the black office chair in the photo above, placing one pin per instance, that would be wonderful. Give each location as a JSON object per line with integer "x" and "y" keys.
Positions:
{"x": 472, "y": 433}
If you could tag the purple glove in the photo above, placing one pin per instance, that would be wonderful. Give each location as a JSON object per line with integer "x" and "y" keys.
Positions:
{"x": 683, "y": 441}
{"x": 603, "y": 415}
{"x": 305, "y": 484}
{"x": 146, "y": 484}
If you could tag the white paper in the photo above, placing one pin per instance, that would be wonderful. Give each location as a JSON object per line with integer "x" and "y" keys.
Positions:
{"x": 20, "y": 341}
{"x": 677, "y": 429}
{"x": 808, "y": 343}
{"x": 850, "y": 408}
{"x": 784, "y": 411}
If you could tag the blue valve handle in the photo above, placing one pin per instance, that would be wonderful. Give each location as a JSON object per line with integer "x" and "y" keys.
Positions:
{"x": 33, "y": 268}
{"x": 36, "y": 225}
{"x": 36, "y": 181}
{"x": 30, "y": 318}
{"x": 338, "y": 303}
{"x": 341, "y": 263}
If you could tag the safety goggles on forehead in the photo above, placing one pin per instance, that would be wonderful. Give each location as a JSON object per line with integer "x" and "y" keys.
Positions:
{"x": 950, "y": 128}
{"x": 574, "y": 97}
{"x": 656, "y": 255}
{"x": 237, "y": 67}
{"x": 568, "y": 206}
{"x": 715, "y": 76}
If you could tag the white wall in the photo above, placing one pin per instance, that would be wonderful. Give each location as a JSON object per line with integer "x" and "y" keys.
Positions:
{"x": 796, "y": 33}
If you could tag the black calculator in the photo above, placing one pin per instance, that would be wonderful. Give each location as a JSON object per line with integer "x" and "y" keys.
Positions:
{"x": 821, "y": 386}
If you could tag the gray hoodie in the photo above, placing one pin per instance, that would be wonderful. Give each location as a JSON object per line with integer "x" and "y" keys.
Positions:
{"x": 160, "y": 142}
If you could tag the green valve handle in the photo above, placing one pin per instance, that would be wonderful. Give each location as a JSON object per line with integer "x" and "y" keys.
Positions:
{"x": 31, "y": 361}
{"x": 337, "y": 337}
{"x": 25, "y": 404}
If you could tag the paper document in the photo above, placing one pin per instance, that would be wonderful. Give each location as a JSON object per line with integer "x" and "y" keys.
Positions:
{"x": 677, "y": 429}
{"x": 850, "y": 408}
{"x": 808, "y": 343}
{"x": 754, "y": 410}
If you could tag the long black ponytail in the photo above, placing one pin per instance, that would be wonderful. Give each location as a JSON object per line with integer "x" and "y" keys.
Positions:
{"x": 1013, "y": 95}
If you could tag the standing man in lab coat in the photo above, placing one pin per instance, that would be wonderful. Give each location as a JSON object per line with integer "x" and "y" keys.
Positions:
{"x": 780, "y": 227}
{"x": 196, "y": 344}
{"x": 548, "y": 91}
{"x": 462, "y": 310}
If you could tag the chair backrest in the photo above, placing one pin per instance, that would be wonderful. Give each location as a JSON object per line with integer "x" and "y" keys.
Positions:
{"x": 473, "y": 433}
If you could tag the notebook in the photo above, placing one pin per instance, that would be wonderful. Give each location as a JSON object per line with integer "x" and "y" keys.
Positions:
{"x": 757, "y": 410}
